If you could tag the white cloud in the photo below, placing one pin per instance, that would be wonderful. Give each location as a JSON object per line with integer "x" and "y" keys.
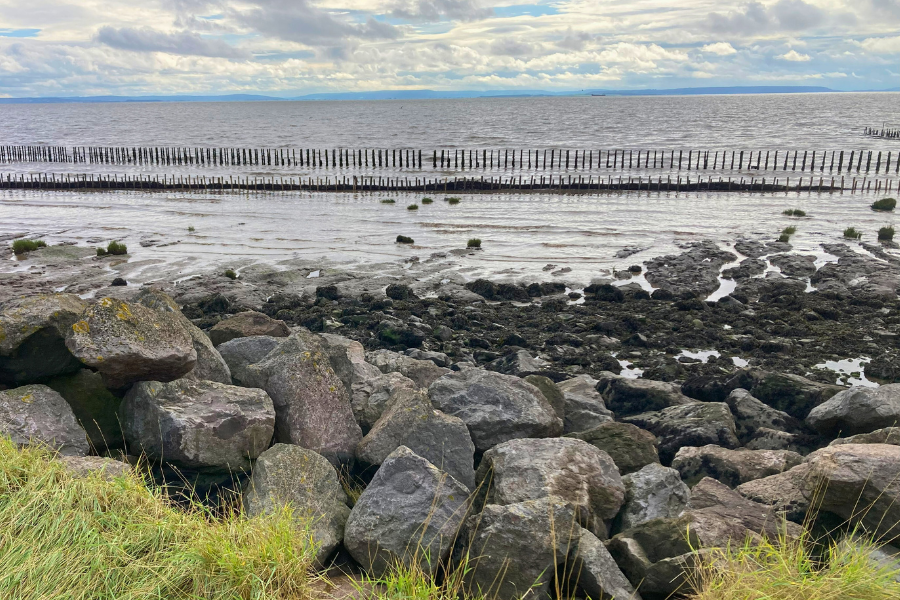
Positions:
{"x": 794, "y": 56}
{"x": 720, "y": 48}
{"x": 884, "y": 45}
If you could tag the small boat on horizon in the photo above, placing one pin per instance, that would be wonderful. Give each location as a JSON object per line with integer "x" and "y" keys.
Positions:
{"x": 598, "y": 94}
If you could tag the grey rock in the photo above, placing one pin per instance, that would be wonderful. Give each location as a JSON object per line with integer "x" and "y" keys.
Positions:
{"x": 888, "y": 435}
{"x": 423, "y": 372}
{"x": 597, "y": 574}
{"x": 410, "y": 513}
{"x": 786, "y": 392}
{"x": 632, "y": 396}
{"x": 210, "y": 365}
{"x": 95, "y": 407}
{"x": 696, "y": 270}
{"x": 654, "y": 492}
{"x": 33, "y": 331}
{"x": 771, "y": 439}
{"x": 370, "y": 397}
{"x": 857, "y": 410}
{"x": 240, "y": 353}
{"x": 584, "y": 406}
{"x": 731, "y": 467}
{"x": 519, "y": 547}
{"x": 519, "y": 363}
{"x": 411, "y": 421}
{"x": 129, "y": 342}
{"x": 783, "y": 492}
{"x": 696, "y": 424}
{"x": 438, "y": 358}
{"x": 312, "y": 406}
{"x": 86, "y": 466}
{"x": 35, "y": 413}
{"x": 495, "y": 407}
{"x": 290, "y": 475}
{"x": 751, "y": 414}
{"x": 567, "y": 469}
{"x": 246, "y": 324}
{"x": 794, "y": 265}
{"x": 630, "y": 447}
{"x": 198, "y": 424}
{"x": 348, "y": 359}
{"x": 551, "y": 392}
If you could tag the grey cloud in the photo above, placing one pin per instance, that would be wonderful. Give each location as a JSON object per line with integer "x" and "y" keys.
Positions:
{"x": 575, "y": 40}
{"x": 785, "y": 15}
{"x": 182, "y": 42}
{"x": 439, "y": 10}
{"x": 300, "y": 21}
{"x": 512, "y": 47}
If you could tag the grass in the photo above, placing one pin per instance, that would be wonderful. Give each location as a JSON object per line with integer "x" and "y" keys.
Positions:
{"x": 788, "y": 570}
{"x": 789, "y": 230}
{"x": 230, "y": 274}
{"x": 191, "y": 229}
{"x": 453, "y": 200}
{"x": 794, "y": 212}
{"x": 784, "y": 237}
{"x": 885, "y": 204}
{"x": 474, "y": 243}
{"x": 852, "y": 233}
{"x": 412, "y": 207}
{"x": 90, "y": 538}
{"x": 402, "y": 239}
{"x": 886, "y": 234}
{"x": 22, "y": 246}
{"x": 388, "y": 201}
{"x": 114, "y": 248}
{"x": 427, "y": 200}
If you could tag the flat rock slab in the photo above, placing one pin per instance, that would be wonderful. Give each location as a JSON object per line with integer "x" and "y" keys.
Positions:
{"x": 246, "y": 324}
{"x": 36, "y": 414}
{"x": 731, "y": 467}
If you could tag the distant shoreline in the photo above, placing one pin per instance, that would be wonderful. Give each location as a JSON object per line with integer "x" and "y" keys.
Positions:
{"x": 439, "y": 95}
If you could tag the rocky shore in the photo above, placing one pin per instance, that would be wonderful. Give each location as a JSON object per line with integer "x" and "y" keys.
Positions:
{"x": 593, "y": 434}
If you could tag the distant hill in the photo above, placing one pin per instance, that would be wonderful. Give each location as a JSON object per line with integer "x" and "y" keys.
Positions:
{"x": 432, "y": 94}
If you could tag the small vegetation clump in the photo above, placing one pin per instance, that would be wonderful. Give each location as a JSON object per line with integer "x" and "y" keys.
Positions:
{"x": 191, "y": 229}
{"x": 789, "y": 230}
{"x": 23, "y": 246}
{"x": 116, "y": 248}
{"x": 784, "y": 237}
{"x": 230, "y": 274}
{"x": 794, "y": 212}
{"x": 402, "y": 239}
{"x": 453, "y": 200}
{"x": 852, "y": 233}
{"x": 388, "y": 201}
{"x": 886, "y": 234}
{"x": 427, "y": 200}
{"x": 884, "y": 205}
{"x": 412, "y": 207}
{"x": 474, "y": 243}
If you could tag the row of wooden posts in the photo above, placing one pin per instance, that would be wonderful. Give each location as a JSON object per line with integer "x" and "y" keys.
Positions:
{"x": 559, "y": 183}
{"x": 831, "y": 161}
{"x": 884, "y": 132}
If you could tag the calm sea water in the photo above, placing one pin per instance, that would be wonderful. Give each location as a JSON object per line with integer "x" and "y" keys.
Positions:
{"x": 521, "y": 233}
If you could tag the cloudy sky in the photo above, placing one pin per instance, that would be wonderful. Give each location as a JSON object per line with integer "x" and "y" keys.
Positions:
{"x": 290, "y": 47}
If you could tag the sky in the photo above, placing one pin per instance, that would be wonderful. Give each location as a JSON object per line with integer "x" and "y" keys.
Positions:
{"x": 294, "y": 47}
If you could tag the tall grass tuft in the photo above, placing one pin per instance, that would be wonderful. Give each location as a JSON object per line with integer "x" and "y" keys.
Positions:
{"x": 885, "y": 204}
{"x": 852, "y": 233}
{"x": 83, "y": 538}
{"x": 886, "y": 234}
{"x": 789, "y": 230}
{"x": 22, "y": 246}
{"x": 116, "y": 248}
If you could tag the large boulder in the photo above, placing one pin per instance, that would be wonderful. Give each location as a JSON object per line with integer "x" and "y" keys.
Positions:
{"x": 33, "y": 332}
{"x": 291, "y": 475}
{"x": 409, "y": 514}
{"x": 411, "y": 421}
{"x": 517, "y": 548}
{"x": 495, "y": 407}
{"x": 240, "y": 353}
{"x": 596, "y": 574}
{"x": 198, "y": 424}
{"x": 130, "y": 342}
{"x": 731, "y": 467}
{"x": 95, "y": 407}
{"x": 369, "y": 398}
{"x": 567, "y": 469}
{"x": 857, "y": 410}
{"x": 751, "y": 415}
{"x": 312, "y": 406}
{"x": 654, "y": 492}
{"x": 860, "y": 483}
{"x": 520, "y": 364}
{"x": 551, "y": 392}
{"x": 888, "y": 435}
{"x": 583, "y": 405}
{"x": 630, "y": 447}
{"x": 785, "y": 492}
{"x": 37, "y": 414}
{"x": 246, "y": 324}
{"x": 626, "y": 396}
{"x": 696, "y": 424}
{"x": 348, "y": 359}
{"x": 786, "y": 392}
{"x": 210, "y": 364}
{"x": 422, "y": 372}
